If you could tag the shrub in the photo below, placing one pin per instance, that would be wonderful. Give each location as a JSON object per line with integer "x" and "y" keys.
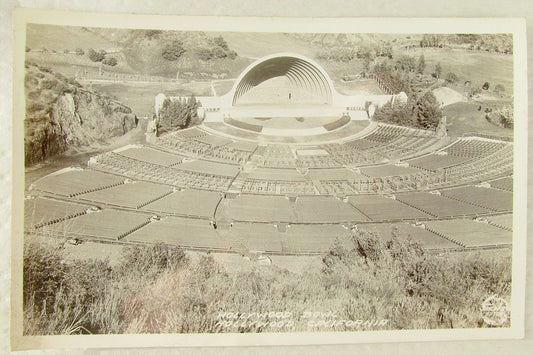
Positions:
{"x": 111, "y": 61}
{"x": 80, "y": 51}
{"x": 173, "y": 50}
{"x": 486, "y": 85}
{"x": 451, "y": 78}
{"x": 96, "y": 56}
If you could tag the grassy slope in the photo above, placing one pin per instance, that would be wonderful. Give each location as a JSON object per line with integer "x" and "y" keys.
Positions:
{"x": 478, "y": 67}
{"x": 464, "y": 118}
{"x": 59, "y": 38}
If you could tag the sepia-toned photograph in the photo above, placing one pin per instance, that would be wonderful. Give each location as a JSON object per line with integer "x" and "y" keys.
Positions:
{"x": 180, "y": 181}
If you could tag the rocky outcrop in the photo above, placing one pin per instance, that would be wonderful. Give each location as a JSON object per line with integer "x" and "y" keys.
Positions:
{"x": 73, "y": 118}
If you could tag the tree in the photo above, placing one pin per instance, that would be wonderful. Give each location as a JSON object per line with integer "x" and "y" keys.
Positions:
{"x": 96, "y": 56}
{"x": 427, "y": 111}
{"x": 438, "y": 71}
{"x": 204, "y": 53}
{"x": 173, "y": 50}
{"x": 451, "y": 78}
{"x": 111, "y": 61}
{"x": 178, "y": 113}
{"x": 220, "y": 42}
{"x": 406, "y": 63}
{"x": 421, "y": 64}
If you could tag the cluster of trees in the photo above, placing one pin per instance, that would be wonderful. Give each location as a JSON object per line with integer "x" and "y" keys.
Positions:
{"x": 100, "y": 56}
{"x": 423, "y": 112}
{"x": 394, "y": 79}
{"x": 178, "y": 113}
{"x": 173, "y": 50}
{"x": 216, "y": 48}
{"x": 432, "y": 40}
{"x": 366, "y": 53}
{"x": 155, "y": 289}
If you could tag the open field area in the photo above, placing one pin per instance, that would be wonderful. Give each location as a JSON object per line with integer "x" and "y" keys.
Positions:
{"x": 464, "y": 118}
{"x": 476, "y": 67}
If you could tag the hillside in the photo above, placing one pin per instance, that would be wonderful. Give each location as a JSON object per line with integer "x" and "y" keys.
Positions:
{"x": 61, "y": 114}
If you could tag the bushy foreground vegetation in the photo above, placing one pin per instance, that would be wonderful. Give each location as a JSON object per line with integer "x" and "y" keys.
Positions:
{"x": 159, "y": 289}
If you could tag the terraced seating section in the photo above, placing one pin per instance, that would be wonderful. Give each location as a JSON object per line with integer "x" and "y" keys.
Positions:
{"x": 255, "y": 237}
{"x": 505, "y": 183}
{"x": 75, "y": 182}
{"x": 207, "y": 146}
{"x": 388, "y": 170}
{"x": 272, "y": 174}
{"x": 325, "y": 209}
{"x": 301, "y": 238}
{"x": 439, "y": 206}
{"x": 213, "y": 140}
{"x": 209, "y": 168}
{"x": 108, "y": 224}
{"x": 190, "y": 133}
{"x": 183, "y": 232}
{"x": 504, "y": 221}
{"x": 257, "y": 186}
{"x": 417, "y": 234}
{"x": 493, "y": 199}
{"x": 435, "y": 162}
{"x": 256, "y": 208}
{"x": 380, "y": 208}
{"x": 499, "y": 163}
{"x": 152, "y": 156}
{"x": 39, "y": 212}
{"x": 348, "y": 154}
{"x": 473, "y": 148}
{"x": 333, "y": 174}
{"x": 131, "y": 195}
{"x": 140, "y": 170}
{"x": 336, "y": 187}
{"x": 243, "y": 146}
{"x": 471, "y": 233}
{"x": 189, "y": 202}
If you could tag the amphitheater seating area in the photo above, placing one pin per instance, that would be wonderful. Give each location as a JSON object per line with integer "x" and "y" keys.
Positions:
{"x": 71, "y": 183}
{"x": 492, "y": 199}
{"x": 40, "y": 212}
{"x": 505, "y": 183}
{"x": 381, "y": 208}
{"x": 470, "y": 233}
{"x": 107, "y": 225}
{"x": 183, "y": 232}
{"x": 189, "y": 202}
{"x": 132, "y": 195}
{"x": 417, "y": 234}
{"x": 439, "y": 206}
{"x": 136, "y": 169}
{"x": 200, "y": 190}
